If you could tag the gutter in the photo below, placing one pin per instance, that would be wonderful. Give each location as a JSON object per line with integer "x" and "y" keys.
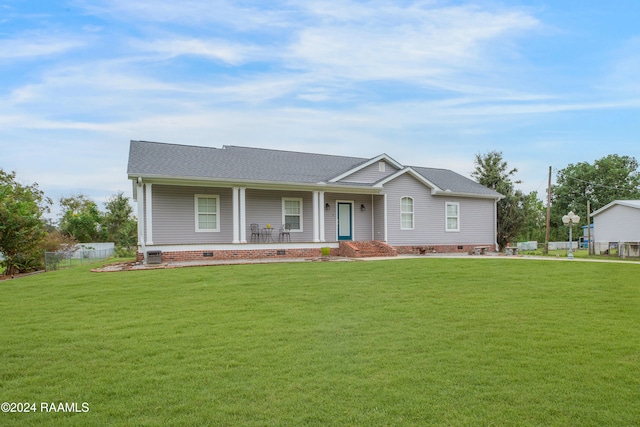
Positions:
{"x": 474, "y": 195}
{"x": 266, "y": 185}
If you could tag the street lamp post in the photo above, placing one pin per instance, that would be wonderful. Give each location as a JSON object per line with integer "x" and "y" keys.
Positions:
{"x": 570, "y": 220}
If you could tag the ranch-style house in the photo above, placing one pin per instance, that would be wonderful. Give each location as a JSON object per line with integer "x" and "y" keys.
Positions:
{"x": 202, "y": 203}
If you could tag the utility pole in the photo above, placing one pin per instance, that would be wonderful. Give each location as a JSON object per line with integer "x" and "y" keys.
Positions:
{"x": 546, "y": 236}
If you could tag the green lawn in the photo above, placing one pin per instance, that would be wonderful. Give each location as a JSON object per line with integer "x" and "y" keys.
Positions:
{"x": 580, "y": 253}
{"x": 429, "y": 341}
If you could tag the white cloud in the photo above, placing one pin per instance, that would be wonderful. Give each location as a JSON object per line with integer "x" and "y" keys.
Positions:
{"x": 231, "y": 53}
{"x": 36, "y": 45}
{"x": 195, "y": 13}
{"x": 415, "y": 42}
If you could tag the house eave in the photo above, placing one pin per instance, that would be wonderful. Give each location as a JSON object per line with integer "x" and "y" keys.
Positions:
{"x": 262, "y": 185}
{"x": 624, "y": 203}
{"x": 447, "y": 193}
{"x": 434, "y": 188}
{"x": 369, "y": 162}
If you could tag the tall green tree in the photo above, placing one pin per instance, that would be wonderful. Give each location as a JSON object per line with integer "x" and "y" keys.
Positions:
{"x": 82, "y": 219}
{"x": 120, "y": 223}
{"x": 535, "y": 213}
{"x": 22, "y": 226}
{"x": 492, "y": 171}
{"x": 610, "y": 178}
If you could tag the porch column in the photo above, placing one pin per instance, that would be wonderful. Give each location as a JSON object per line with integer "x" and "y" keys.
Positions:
{"x": 149, "y": 216}
{"x": 321, "y": 214}
{"x": 243, "y": 212}
{"x": 495, "y": 224}
{"x": 236, "y": 216}
{"x": 140, "y": 201}
{"x": 316, "y": 236}
{"x": 386, "y": 219}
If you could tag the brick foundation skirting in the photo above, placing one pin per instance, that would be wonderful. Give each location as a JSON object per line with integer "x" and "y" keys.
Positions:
{"x": 226, "y": 255}
{"x": 344, "y": 250}
{"x": 440, "y": 249}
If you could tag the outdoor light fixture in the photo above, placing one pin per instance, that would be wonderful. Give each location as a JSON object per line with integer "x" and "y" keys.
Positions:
{"x": 362, "y": 208}
{"x": 570, "y": 220}
{"x": 327, "y": 207}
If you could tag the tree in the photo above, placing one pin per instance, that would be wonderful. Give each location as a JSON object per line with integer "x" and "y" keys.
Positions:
{"x": 493, "y": 172}
{"x": 535, "y": 214}
{"x": 610, "y": 178}
{"x": 81, "y": 219}
{"x": 121, "y": 225}
{"x": 56, "y": 241}
{"x": 22, "y": 226}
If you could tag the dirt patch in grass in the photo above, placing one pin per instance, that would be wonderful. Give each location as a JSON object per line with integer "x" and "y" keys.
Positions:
{"x": 17, "y": 276}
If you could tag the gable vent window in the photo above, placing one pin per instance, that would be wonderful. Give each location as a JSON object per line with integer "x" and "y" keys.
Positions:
{"x": 382, "y": 166}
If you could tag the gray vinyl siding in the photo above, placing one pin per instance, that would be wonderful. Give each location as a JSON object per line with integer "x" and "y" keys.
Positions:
{"x": 174, "y": 215}
{"x": 378, "y": 225}
{"x": 616, "y": 224}
{"x": 476, "y": 216}
{"x": 370, "y": 174}
{"x": 265, "y": 207}
{"x": 362, "y": 221}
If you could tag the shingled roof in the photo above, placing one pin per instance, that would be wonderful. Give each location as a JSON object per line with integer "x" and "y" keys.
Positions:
{"x": 231, "y": 162}
{"x": 448, "y": 180}
{"x": 245, "y": 164}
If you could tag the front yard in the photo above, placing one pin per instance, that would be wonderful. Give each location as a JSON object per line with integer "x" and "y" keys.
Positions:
{"x": 401, "y": 342}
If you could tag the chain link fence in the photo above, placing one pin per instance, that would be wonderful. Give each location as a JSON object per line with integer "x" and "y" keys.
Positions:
{"x": 66, "y": 259}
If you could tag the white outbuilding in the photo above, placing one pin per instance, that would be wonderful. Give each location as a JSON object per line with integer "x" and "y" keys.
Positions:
{"x": 618, "y": 225}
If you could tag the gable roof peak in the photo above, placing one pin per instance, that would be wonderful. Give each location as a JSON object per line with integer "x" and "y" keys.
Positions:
{"x": 627, "y": 203}
{"x": 365, "y": 163}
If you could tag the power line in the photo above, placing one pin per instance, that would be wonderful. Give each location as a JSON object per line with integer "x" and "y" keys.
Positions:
{"x": 596, "y": 185}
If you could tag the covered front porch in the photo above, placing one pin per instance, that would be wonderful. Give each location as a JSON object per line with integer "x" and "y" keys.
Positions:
{"x": 247, "y": 222}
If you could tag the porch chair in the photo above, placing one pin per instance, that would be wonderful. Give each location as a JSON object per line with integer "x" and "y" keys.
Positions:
{"x": 285, "y": 233}
{"x": 255, "y": 233}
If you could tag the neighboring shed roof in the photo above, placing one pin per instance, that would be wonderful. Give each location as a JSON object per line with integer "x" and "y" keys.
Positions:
{"x": 161, "y": 160}
{"x": 628, "y": 203}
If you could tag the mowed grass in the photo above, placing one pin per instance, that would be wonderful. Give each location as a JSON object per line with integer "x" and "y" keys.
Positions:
{"x": 402, "y": 342}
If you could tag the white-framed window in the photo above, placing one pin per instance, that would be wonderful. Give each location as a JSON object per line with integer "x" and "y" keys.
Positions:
{"x": 406, "y": 213}
{"x": 292, "y": 213}
{"x": 207, "y": 209}
{"x": 382, "y": 166}
{"x": 452, "y": 212}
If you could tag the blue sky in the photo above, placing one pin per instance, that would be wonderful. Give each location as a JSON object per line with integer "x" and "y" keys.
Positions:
{"x": 430, "y": 83}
